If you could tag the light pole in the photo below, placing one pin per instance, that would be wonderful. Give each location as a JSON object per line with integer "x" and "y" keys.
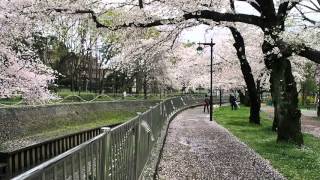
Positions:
{"x": 211, "y": 44}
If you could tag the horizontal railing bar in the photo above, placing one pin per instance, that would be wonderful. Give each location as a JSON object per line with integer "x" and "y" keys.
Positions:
{"x": 124, "y": 124}
{"x": 48, "y": 163}
{"x": 57, "y": 139}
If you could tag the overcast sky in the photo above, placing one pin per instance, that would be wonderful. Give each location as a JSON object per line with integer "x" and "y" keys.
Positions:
{"x": 200, "y": 33}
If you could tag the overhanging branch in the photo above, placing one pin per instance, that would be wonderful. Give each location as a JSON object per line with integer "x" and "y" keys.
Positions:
{"x": 302, "y": 50}
{"x": 310, "y": 53}
{"x": 227, "y": 17}
{"x": 203, "y": 14}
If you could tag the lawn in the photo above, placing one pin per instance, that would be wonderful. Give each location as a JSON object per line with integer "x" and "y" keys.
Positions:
{"x": 60, "y": 127}
{"x": 293, "y": 162}
{"x": 10, "y": 101}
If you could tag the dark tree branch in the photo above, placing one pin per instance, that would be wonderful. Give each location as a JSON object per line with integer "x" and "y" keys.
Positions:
{"x": 310, "y": 53}
{"x": 232, "y": 6}
{"x": 287, "y": 50}
{"x": 229, "y": 17}
{"x": 309, "y": 7}
{"x": 304, "y": 17}
{"x": 267, "y": 8}
{"x": 140, "y": 4}
{"x": 285, "y": 7}
{"x": 247, "y": 75}
{"x": 203, "y": 14}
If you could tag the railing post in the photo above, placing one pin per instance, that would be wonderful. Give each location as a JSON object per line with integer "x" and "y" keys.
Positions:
{"x": 164, "y": 111}
{"x": 137, "y": 147}
{"x": 105, "y": 154}
{"x": 151, "y": 117}
{"x": 183, "y": 101}
{"x": 152, "y": 124}
{"x": 173, "y": 107}
{"x": 220, "y": 94}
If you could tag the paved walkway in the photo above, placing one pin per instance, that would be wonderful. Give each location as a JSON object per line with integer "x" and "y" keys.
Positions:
{"x": 308, "y": 123}
{"x": 198, "y": 149}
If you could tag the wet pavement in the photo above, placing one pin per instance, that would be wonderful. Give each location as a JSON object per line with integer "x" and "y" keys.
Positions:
{"x": 198, "y": 149}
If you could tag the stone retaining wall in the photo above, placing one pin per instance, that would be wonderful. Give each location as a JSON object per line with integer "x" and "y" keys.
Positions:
{"x": 16, "y": 121}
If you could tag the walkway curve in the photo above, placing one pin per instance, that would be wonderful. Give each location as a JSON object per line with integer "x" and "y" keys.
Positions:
{"x": 309, "y": 122}
{"x": 198, "y": 149}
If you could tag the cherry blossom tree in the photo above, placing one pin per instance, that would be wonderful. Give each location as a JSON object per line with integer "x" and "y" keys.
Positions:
{"x": 21, "y": 72}
{"x": 270, "y": 16}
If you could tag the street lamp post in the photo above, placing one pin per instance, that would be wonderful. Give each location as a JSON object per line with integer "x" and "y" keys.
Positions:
{"x": 211, "y": 44}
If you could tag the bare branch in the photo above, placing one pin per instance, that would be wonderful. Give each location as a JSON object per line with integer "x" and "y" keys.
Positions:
{"x": 140, "y": 4}
{"x": 304, "y": 17}
{"x": 232, "y": 6}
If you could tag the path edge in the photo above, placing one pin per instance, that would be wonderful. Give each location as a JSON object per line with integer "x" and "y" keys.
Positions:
{"x": 264, "y": 161}
{"x": 151, "y": 168}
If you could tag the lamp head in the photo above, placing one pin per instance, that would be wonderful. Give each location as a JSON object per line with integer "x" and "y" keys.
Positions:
{"x": 199, "y": 49}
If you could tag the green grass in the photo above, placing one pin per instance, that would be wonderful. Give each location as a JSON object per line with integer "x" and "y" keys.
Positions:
{"x": 61, "y": 127}
{"x": 10, "y": 101}
{"x": 293, "y": 162}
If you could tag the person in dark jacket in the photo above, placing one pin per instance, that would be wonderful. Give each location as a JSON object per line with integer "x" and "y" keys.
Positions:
{"x": 206, "y": 104}
{"x": 233, "y": 102}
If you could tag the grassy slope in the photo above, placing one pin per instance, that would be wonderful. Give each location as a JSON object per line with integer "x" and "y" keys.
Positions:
{"x": 61, "y": 127}
{"x": 292, "y": 162}
{"x": 64, "y": 127}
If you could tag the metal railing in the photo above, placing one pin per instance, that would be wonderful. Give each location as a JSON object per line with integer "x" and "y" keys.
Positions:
{"x": 117, "y": 153}
{"x": 21, "y": 160}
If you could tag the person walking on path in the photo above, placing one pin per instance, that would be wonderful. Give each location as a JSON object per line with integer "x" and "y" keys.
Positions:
{"x": 206, "y": 104}
{"x": 233, "y": 102}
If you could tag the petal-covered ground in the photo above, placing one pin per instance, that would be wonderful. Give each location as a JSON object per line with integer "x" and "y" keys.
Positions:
{"x": 196, "y": 148}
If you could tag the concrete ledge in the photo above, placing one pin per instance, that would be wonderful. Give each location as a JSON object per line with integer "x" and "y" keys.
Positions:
{"x": 17, "y": 121}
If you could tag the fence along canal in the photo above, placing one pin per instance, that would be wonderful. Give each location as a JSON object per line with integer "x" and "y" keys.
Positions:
{"x": 118, "y": 153}
{"x": 21, "y": 160}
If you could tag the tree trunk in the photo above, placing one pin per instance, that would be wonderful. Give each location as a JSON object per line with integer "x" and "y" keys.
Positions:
{"x": 318, "y": 108}
{"x": 303, "y": 93}
{"x": 275, "y": 118}
{"x": 248, "y": 77}
{"x": 90, "y": 71}
{"x": 145, "y": 86}
{"x": 284, "y": 93}
{"x": 275, "y": 78}
{"x": 318, "y": 102}
{"x": 285, "y": 97}
{"x": 72, "y": 82}
{"x": 289, "y": 124}
{"x": 242, "y": 97}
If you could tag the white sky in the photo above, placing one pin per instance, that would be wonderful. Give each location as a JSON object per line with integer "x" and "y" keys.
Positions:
{"x": 200, "y": 33}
